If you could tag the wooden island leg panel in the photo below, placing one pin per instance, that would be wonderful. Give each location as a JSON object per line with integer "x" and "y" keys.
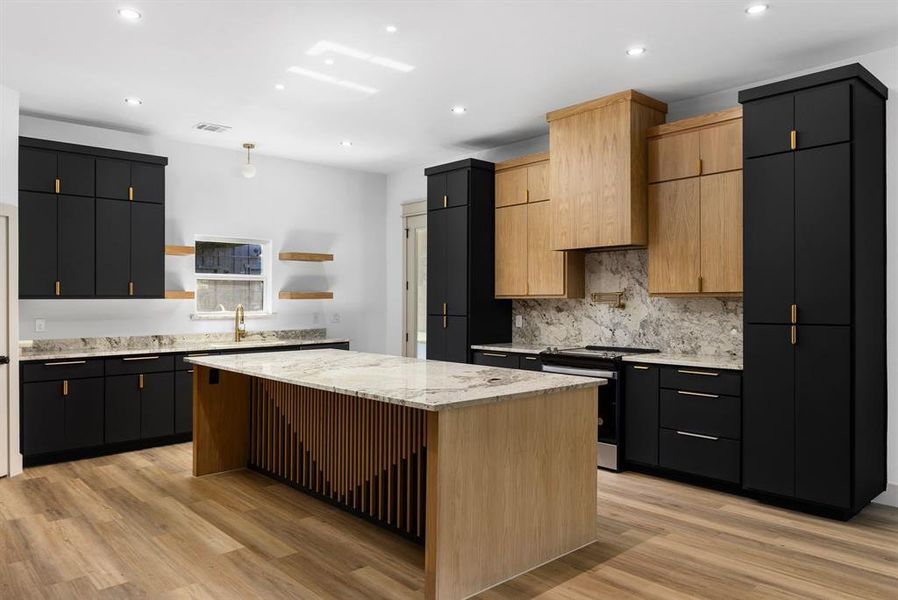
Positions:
{"x": 220, "y": 420}
{"x": 510, "y": 486}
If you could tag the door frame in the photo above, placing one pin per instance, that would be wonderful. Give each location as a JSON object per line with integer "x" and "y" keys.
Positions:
{"x": 9, "y": 436}
{"x": 409, "y": 211}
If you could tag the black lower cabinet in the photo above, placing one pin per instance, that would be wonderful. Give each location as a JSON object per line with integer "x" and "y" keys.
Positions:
{"x": 43, "y": 417}
{"x": 697, "y": 454}
{"x": 641, "y": 414}
{"x": 184, "y": 401}
{"x": 157, "y": 405}
{"x": 84, "y": 413}
{"x": 122, "y": 408}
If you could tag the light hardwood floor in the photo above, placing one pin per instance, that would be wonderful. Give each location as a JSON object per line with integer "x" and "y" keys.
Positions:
{"x": 139, "y": 524}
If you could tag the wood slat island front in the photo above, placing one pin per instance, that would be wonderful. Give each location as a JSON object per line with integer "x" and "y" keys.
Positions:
{"x": 493, "y": 470}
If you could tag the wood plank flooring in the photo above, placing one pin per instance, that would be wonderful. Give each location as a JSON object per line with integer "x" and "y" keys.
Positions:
{"x": 139, "y": 525}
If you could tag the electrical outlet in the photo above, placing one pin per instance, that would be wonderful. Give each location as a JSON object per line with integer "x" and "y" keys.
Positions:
{"x": 518, "y": 321}
{"x": 40, "y": 325}
{"x": 335, "y": 318}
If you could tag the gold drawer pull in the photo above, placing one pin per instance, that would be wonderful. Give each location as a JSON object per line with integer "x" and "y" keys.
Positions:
{"x": 496, "y": 354}
{"x": 141, "y": 358}
{"x": 192, "y": 355}
{"x": 140, "y": 381}
{"x": 697, "y": 394}
{"x": 65, "y": 362}
{"x": 705, "y": 373}
{"x": 65, "y": 387}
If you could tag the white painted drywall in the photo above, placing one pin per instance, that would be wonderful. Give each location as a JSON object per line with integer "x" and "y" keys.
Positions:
{"x": 298, "y": 206}
{"x": 9, "y": 146}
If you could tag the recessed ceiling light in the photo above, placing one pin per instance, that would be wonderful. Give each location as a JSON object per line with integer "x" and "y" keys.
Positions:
{"x": 280, "y": 87}
{"x": 756, "y": 9}
{"x": 328, "y": 61}
{"x": 458, "y": 110}
{"x": 636, "y": 51}
{"x": 133, "y": 101}
{"x": 346, "y": 143}
{"x": 392, "y": 29}
{"x": 129, "y": 14}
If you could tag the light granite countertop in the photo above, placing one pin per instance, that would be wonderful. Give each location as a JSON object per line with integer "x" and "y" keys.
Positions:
{"x": 722, "y": 361}
{"x": 426, "y": 384}
{"x": 177, "y": 346}
{"x": 510, "y": 347}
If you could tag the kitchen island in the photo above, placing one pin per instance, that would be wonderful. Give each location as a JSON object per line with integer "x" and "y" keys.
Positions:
{"x": 492, "y": 469}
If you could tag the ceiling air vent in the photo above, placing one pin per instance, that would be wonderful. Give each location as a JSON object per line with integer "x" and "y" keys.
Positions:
{"x": 212, "y": 127}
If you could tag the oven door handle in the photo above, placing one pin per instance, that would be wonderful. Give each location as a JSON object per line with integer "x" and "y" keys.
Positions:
{"x": 579, "y": 371}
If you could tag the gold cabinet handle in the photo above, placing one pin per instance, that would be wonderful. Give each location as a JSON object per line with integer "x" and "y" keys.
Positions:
{"x": 58, "y": 185}
{"x": 130, "y": 288}
{"x": 793, "y": 335}
{"x": 793, "y": 139}
{"x": 444, "y": 321}
{"x": 794, "y": 314}
{"x": 58, "y": 288}
{"x": 65, "y": 387}
{"x": 444, "y": 309}
{"x": 140, "y": 381}
{"x": 132, "y": 358}
{"x": 690, "y": 372}
{"x": 682, "y": 393}
{"x": 65, "y": 362}
{"x": 130, "y": 193}
{"x": 445, "y": 200}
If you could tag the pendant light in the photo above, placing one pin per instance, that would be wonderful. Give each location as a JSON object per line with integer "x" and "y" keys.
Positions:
{"x": 249, "y": 169}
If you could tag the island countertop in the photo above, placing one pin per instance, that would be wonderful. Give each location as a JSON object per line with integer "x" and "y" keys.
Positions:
{"x": 425, "y": 384}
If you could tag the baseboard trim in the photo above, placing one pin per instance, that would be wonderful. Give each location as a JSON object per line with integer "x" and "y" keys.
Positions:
{"x": 888, "y": 497}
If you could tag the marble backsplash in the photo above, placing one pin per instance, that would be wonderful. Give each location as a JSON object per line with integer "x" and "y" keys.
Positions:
{"x": 682, "y": 325}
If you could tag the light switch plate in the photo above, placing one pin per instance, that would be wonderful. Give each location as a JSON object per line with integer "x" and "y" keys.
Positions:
{"x": 518, "y": 321}
{"x": 40, "y": 325}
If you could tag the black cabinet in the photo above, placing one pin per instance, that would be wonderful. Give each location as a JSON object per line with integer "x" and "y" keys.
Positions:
{"x": 184, "y": 401}
{"x": 815, "y": 389}
{"x": 92, "y": 222}
{"x": 460, "y": 263}
{"x": 490, "y": 358}
{"x": 641, "y": 414}
{"x": 122, "y": 408}
{"x": 83, "y": 402}
{"x": 157, "y": 405}
{"x": 139, "y": 406}
{"x": 60, "y": 415}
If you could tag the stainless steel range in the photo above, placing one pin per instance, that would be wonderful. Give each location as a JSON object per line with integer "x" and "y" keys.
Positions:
{"x": 604, "y": 362}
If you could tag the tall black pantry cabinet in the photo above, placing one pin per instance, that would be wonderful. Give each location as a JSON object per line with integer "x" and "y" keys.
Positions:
{"x": 814, "y": 403}
{"x": 461, "y": 305}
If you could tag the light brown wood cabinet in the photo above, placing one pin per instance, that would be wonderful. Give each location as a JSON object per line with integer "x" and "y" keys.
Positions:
{"x": 526, "y": 264}
{"x": 598, "y": 169}
{"x": 695, "y": 205}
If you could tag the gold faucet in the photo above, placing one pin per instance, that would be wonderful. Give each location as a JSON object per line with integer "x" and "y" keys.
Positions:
{"x": 239, "y": 324}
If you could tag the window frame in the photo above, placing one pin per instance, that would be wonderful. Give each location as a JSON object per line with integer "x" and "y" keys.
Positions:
{"x": 265, "y": 277}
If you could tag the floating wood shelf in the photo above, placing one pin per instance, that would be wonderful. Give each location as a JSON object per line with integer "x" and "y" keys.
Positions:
{"x": 178, "y": 250}
{"x": 179, "y": 295}
{"x": 305, "y": 295}
{"x": 305, "y": 256}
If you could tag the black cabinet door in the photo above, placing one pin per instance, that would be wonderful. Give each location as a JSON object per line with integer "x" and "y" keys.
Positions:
{"x": 148, "y": 182}
{"x": 76, "y": 174}
{"x": 148, "y": 249}
{"x": 113, "y": 231}
{"x": 157, "y": 405}
{"x": 436, "y": 191}
{"x": 43, "y": 417}
{"x": 457, "y": 261}
{"x": 437, "y": 262}
{"x": 823, "y": 415}
{"x": 823, "y": 115}
{"x": 37, "y": 244}
{"x": 122, "y": 408}
{"x": 823, "y": 235}
{"x": 641, "y": 414}
{"x": 436, "y": 337}
{"x": 84, "y": 413}
{"x": 768, "y": 410}
{"x": 457, "y": 188}
{"x": 457, "y": 346}
{"x": 769, "y": 244}
{"x": 184, "y": 401}
{"x": 76, "y": 246}
{"x": 37, "y": 170}
{"x": 113, "y": 178}
{"x": 767, "y": 125}
{"x": 496, "y": 359}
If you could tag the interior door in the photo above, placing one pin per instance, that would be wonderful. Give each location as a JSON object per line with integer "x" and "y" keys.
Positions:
{"x": 5, "y": 349}
{"x": 674, "y": 236}
{"x": 768, "y": 125}
{"x": 769, "y": 259}
{"x": 416, "y": 286}
{"x": 148, "y": 249}
{"x": 37, "y": 244}
{"x": 511, "y": 250}
{"x": 113, "y": 246}
{"x": 76, "y": 246}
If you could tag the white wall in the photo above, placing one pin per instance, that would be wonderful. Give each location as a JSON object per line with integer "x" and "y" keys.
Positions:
{"x": 9, "y": 146}
{"x": 298, "y": 206}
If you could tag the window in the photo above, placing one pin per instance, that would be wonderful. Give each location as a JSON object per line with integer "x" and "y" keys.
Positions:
{"x": 232, "y": 271}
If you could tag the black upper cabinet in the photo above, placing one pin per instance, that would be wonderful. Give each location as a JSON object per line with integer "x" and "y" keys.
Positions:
{"x": 147, "y": 250}
{"x": 80, "y": 237}
{"x": 113, "y": 179}
{"x": 815, "y": 382}
{"x": 37, "y": 244}
{"x": 461, "y": 305}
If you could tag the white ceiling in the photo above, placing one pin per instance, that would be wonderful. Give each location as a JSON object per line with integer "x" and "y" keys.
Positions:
{"x": 507, "y": 62}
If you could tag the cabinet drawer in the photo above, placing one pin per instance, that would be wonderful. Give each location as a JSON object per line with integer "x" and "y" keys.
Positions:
{"x": 695, "y": 379}
{"x": 496, "y": 359}
{"x": 181, "y": 365}
{"x": 51, "y": 370}
{"x": 530, "y": 362}
{"x": 706, "y": 456}
{"x": 127, "y": 365}
{"x": 698, "y": 412}
{"x": 335, "y": 346}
